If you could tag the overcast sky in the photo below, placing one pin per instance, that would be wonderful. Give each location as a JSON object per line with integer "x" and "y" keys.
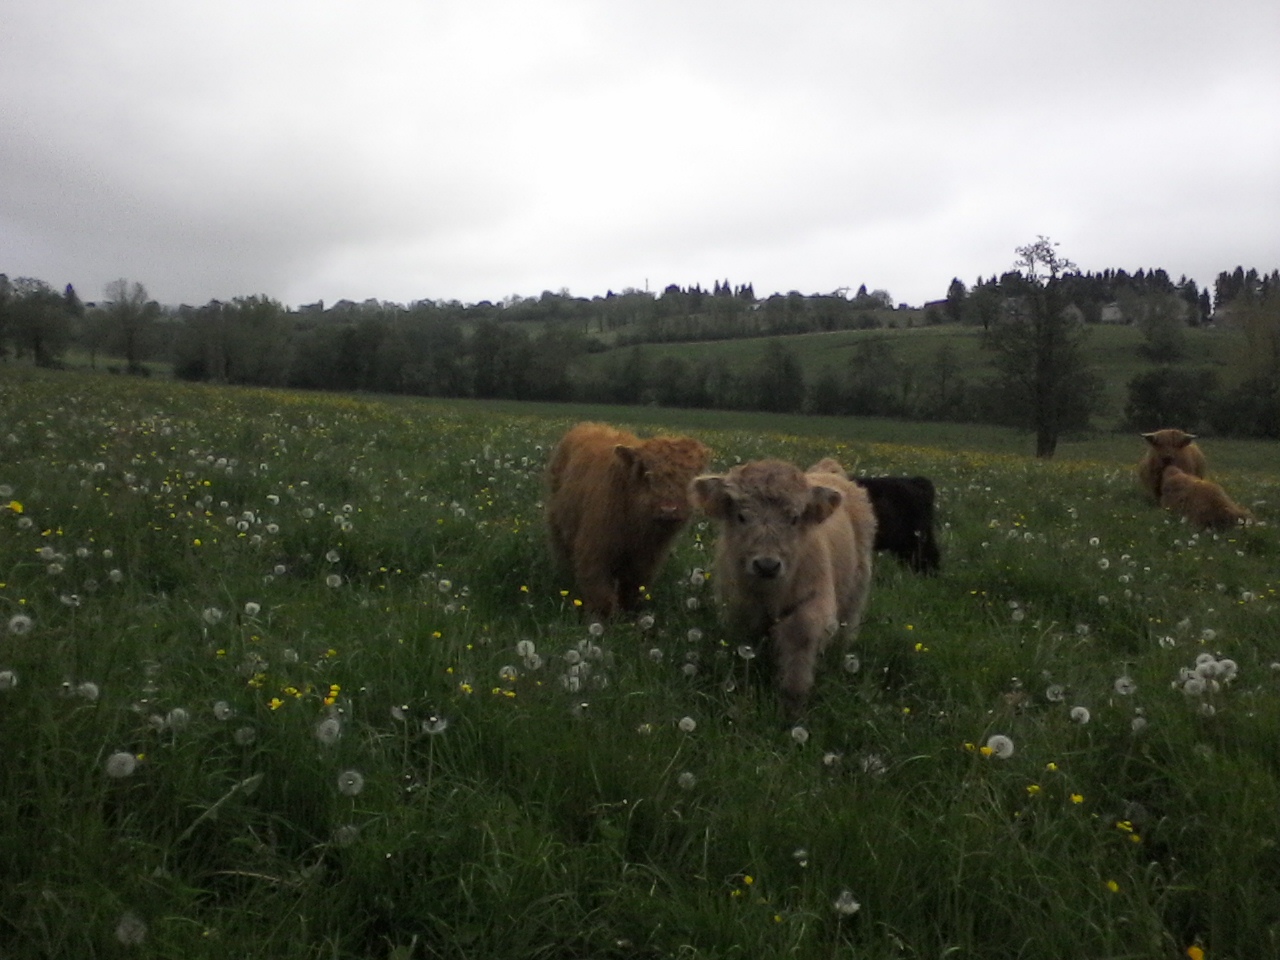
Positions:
{"x": 475, "y": 149}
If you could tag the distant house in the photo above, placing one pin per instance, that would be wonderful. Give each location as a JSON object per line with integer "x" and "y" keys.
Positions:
{"x": 1111, "y": 313}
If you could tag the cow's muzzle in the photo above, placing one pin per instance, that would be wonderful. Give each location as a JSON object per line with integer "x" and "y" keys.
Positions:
{"x": 766, "y": 568}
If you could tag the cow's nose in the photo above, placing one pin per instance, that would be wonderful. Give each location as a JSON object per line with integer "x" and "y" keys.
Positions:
{"x": 766, "y": 567}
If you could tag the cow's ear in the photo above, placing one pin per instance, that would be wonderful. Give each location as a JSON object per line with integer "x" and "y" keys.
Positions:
{"x": 1150, "y": 438}
{"x": 1186, "y": 439}
{"x": 711, "y": 495}
{"x": 630, "y": 458}
{"x": 823, "y": 502}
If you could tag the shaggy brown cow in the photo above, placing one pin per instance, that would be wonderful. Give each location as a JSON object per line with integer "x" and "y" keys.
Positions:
{"x": 1168, "y": 446}
{"x": 1203, "y": 503}
{"x": 793, "y": 560}
{"x": 614, "y": 505}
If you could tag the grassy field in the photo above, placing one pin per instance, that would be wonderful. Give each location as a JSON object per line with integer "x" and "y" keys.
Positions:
{"x": 1111, "y": 350}
{"x": 287, "y": 675}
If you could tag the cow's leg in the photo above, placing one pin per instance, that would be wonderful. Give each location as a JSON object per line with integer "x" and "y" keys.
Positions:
{"x": 596, "y": 581}
{"x": 798, "y": 642}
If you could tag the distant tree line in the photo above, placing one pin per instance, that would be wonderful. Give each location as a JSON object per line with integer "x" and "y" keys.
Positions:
{"x": 530, "y": 348}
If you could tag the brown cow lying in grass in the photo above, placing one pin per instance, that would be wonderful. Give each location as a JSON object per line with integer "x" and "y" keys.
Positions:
{"x": 614, "y": 505}
{"x": 1203, "y": 503}
{"x": 793, "y": 561}
{"x": 1166, "y": 447}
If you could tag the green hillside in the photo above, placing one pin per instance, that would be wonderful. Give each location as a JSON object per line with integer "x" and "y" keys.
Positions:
{"x": 1112, "y": 350}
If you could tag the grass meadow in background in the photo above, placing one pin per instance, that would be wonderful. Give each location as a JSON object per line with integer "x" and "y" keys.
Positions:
{"x": 287, "y": 675}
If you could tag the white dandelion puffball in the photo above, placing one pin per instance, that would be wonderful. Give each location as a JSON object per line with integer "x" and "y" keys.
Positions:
{"x": 252, "y": 609}
{"x": 845, "y": 905}
{"x": 19, "y": 624}
{"x": 223, "y": 710}
{"x": 800, "y": 735}
{"x": 333, "y": 580}
{"x": 8, "y": 680}
{"x": 526, "y": 649}
{"x": 1125, "y": 686}
{"x": 687, "y": 724}
{"x": 131, "y": 930}
{"x": 350, "y": 782}
{"x": 687, "y": 781}
{"x": 329, "y": 730}
{"x": 121, "y": 764}
{"x": 1080, "y": 715}
{"x": 1000, "y": 746}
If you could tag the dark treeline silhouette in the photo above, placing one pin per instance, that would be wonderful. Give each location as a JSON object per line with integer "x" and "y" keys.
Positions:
{"x": 530, "y": 348}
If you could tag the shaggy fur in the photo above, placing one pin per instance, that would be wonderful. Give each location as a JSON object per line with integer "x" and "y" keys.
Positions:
{"x": 1203, "y": 503}
{"x": 1167, "y": 447}
{"x": 904, "y": 519}
{"x": 793, "y": 560}
{"x": 614, "y": 505}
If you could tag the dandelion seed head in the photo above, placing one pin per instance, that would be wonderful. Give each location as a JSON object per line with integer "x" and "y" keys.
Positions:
{"x": 8, "y": 680}
{"x": 1080, "y": 715}
{"x": 244, "y": 736}
{"x": 800, "y": 735}
{"x": 223, "y": 710}
{"x": 596, "y": 629}
{"x": 1000, "y": 746}
{"x": 747, "y": 652}
{"x": 655, "y": 654}
{"x": 333, "y": 580}
{"x": 131, "y": 931}
{"x": 20, "y": 624}
{"x": 346, "y": 835}
{"x": 694, "y": 635}
{"x": 845, "y": 905}
{"x": 687, "y": 724}
{"x": 645, "y": 622}
{"x": 851, "y": 663}
{"x": 687, "y": 781}
{"x": 526, "y": 649}
{"x": 350, "y": 782}
{"x": 121, "y": 764}
{"x": 1055, "y": 693}
{"x": 434, "y": 726}
{"x": 88, "y": 690}
{"x": 252, "y": 609}
{"x": 328, "y": 731}
{"x": 212, "y": 616}
{"x": 1125, "y": 686}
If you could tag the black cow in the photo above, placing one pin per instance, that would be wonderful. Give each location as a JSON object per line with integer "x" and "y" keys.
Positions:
{"x": 904, "y": 519}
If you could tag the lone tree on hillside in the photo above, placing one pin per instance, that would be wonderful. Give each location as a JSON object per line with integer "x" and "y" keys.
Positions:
{"x": 1042, "y": 382}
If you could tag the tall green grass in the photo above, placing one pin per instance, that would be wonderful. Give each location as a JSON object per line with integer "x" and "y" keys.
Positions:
{"x": 252, "y": 603}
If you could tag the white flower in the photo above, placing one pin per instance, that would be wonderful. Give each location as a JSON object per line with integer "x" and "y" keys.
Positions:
{"x": 20, "y": 623}
{"x": 131, "y": 931}
{"x": 1080, "y": 715}
{"x": 121, "y": 764}
{"x": 845, "y": 905}
{"x": 212, "y": 616}
{"x": 800, "y": 735}
{"x": 1055, "y": 693}
{"x": 329, "y": 730}
{"x": 688, "y": 724}
{"x": 350, "y": 782}
{"x": 252, "y": 609}
{"x": 1000, "y": 746}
